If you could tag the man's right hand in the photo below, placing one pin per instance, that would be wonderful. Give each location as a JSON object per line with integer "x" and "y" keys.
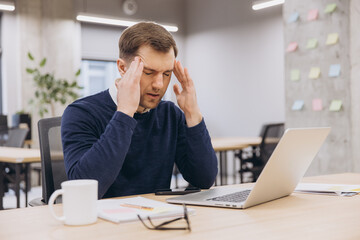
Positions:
{"x": 128, "y": 88}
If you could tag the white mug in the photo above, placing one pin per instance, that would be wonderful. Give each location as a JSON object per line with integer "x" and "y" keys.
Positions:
{"x": 79, "y": 199}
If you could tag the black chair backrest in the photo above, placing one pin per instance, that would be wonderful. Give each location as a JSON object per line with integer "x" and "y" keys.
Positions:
{"x": 3, "y": 129}
{"x": 3, "y": 122}
{"x": 16, "y": 137}
{"x": 52, "y": 159}
{"x": 271, "y": 134}
{"x": 26, "y": 118}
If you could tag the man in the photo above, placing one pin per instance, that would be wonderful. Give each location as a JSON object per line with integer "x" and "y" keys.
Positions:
{"x": 126, "y": 137}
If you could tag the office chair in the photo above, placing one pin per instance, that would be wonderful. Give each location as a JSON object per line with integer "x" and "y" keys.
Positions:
{"x": 52, "y": 159}
{"x": 15, "y": 138}
{"x": 3, "y": 129}
{"x": 255, "y": 161}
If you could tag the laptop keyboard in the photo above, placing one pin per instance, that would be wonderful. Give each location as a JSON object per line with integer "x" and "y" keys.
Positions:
{"x": 233, "y": 197}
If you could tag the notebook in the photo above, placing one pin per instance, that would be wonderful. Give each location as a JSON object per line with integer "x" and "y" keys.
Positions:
{"x": 283, "y": 171}
{"x": 127, "y": 209}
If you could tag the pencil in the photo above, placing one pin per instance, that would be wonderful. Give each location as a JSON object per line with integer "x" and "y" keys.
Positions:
{"x": 137, "y": 206}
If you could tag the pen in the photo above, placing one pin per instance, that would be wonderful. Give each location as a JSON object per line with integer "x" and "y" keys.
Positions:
{"x": 137, "y": 206}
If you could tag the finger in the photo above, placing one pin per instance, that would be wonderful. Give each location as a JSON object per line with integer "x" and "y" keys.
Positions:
{"x": 135, "y": 70}
{"x": 176, "y": 89}
{"x": 181, "y": 68}
{"x": 180, "y": 74}
{"x": 189, "y": 79}
{"x": 139, "y": 72}
{"x": 132, "y": 66}
{"x": 176, "y": 71}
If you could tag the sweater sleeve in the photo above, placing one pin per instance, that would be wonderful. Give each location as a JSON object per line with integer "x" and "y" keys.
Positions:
{"x": 90, "y": 156}
{"x": 195, "y": 156}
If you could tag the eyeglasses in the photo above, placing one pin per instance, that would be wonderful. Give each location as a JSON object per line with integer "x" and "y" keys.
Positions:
{"x": 161, "y": 226}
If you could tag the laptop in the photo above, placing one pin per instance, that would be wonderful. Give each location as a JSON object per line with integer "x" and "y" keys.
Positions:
{"x": 283, "y": 171}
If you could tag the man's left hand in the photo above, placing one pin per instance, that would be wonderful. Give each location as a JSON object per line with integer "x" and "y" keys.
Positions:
{"x": 187, "y": 97}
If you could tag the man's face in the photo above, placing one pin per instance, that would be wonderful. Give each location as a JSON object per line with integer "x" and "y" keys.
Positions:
{"x": 158, "y": 67}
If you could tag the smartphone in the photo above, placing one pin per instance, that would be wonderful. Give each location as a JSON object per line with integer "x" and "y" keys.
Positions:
{"x": 177, "y": 191}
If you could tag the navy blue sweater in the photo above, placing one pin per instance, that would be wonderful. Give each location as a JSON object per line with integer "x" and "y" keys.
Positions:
{"x": 134, "y": 155}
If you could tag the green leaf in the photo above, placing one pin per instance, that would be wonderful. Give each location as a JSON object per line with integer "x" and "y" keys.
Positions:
{"x": 42, "y": 63}
{"x": 29, "y": 70}
{"x": 78, "y": 72}
{"x": 30, "y": 56}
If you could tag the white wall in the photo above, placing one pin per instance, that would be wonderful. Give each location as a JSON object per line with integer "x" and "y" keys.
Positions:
{"x": 235, "y": 56}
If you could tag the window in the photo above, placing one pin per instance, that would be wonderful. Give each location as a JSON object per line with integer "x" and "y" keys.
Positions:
{"x": 97, "y": 76}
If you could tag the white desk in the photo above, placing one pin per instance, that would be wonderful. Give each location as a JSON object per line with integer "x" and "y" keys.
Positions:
{"x": 20, "y": 158}
{"x": 298, "y": 216}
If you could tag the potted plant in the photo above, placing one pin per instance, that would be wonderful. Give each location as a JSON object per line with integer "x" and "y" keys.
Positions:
{"x": 51, "y": 90}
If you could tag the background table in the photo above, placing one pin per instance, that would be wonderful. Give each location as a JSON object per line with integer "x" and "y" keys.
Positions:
{"x": 20, "y": 158}
{"x": 298, "y": 216}
{"x": 224, "y": 144}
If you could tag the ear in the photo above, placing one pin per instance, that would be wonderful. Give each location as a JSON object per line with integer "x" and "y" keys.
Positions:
{"x": 121, "y": 64}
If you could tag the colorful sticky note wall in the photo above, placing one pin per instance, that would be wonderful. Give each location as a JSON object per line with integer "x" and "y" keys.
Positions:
{"x": 334, "y": 70}
{"x": 332, "y": 38}
{"x": 330, "y": 8}
{"x": 313, "y": 15}
{"x": 292, "y": 47}
{"x": 335, "y": 105}
{"x": 312, "y": 43}
{"x": 317, "y": 104}
{"x": 295, "y": 75}
{"x": 293, "y": 17}
{"x": 298, "y": 105}
{"x": 314, "y": 73}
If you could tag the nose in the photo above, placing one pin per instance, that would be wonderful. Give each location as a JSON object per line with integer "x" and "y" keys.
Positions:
{"x": 158, "y": 82}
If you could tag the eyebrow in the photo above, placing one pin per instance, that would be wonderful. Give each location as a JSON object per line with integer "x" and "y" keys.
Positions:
{"x": 150, "y": 69}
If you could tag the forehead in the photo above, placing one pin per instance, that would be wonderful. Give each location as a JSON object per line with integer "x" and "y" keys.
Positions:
{"x": 156, "y": 60}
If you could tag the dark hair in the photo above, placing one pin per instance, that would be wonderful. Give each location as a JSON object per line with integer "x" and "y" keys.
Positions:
{"x": 145, "y": 33}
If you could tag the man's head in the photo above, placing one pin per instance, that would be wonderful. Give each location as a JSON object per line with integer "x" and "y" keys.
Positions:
{"x": 145, "y": 33}
{"x": 157, "y": 50}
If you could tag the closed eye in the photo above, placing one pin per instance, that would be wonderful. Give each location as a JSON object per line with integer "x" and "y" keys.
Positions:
{"x": 167, "y": 73}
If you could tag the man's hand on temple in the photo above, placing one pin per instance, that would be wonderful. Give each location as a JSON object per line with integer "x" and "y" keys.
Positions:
{"x": 128, "y": 88}
{"x": 187, "y": 97}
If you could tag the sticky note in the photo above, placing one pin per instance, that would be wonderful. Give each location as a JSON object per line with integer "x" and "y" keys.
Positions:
{"x": 332, "y": 38}
{"x": 312, "y": 43}
{"x": 295, "y": 75}
{"x": 293, "y": 17}
{"x": 298, "y": 105}
{"x": 292, "y": 47}
{"x": 313, "y": 15}
{"x": 334, "y": 70}
{"x": 317, "y": 104}
{"x": 335, "y": 105}
{"x": 314, "y": 73}
{"x": 330, "y": 8}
